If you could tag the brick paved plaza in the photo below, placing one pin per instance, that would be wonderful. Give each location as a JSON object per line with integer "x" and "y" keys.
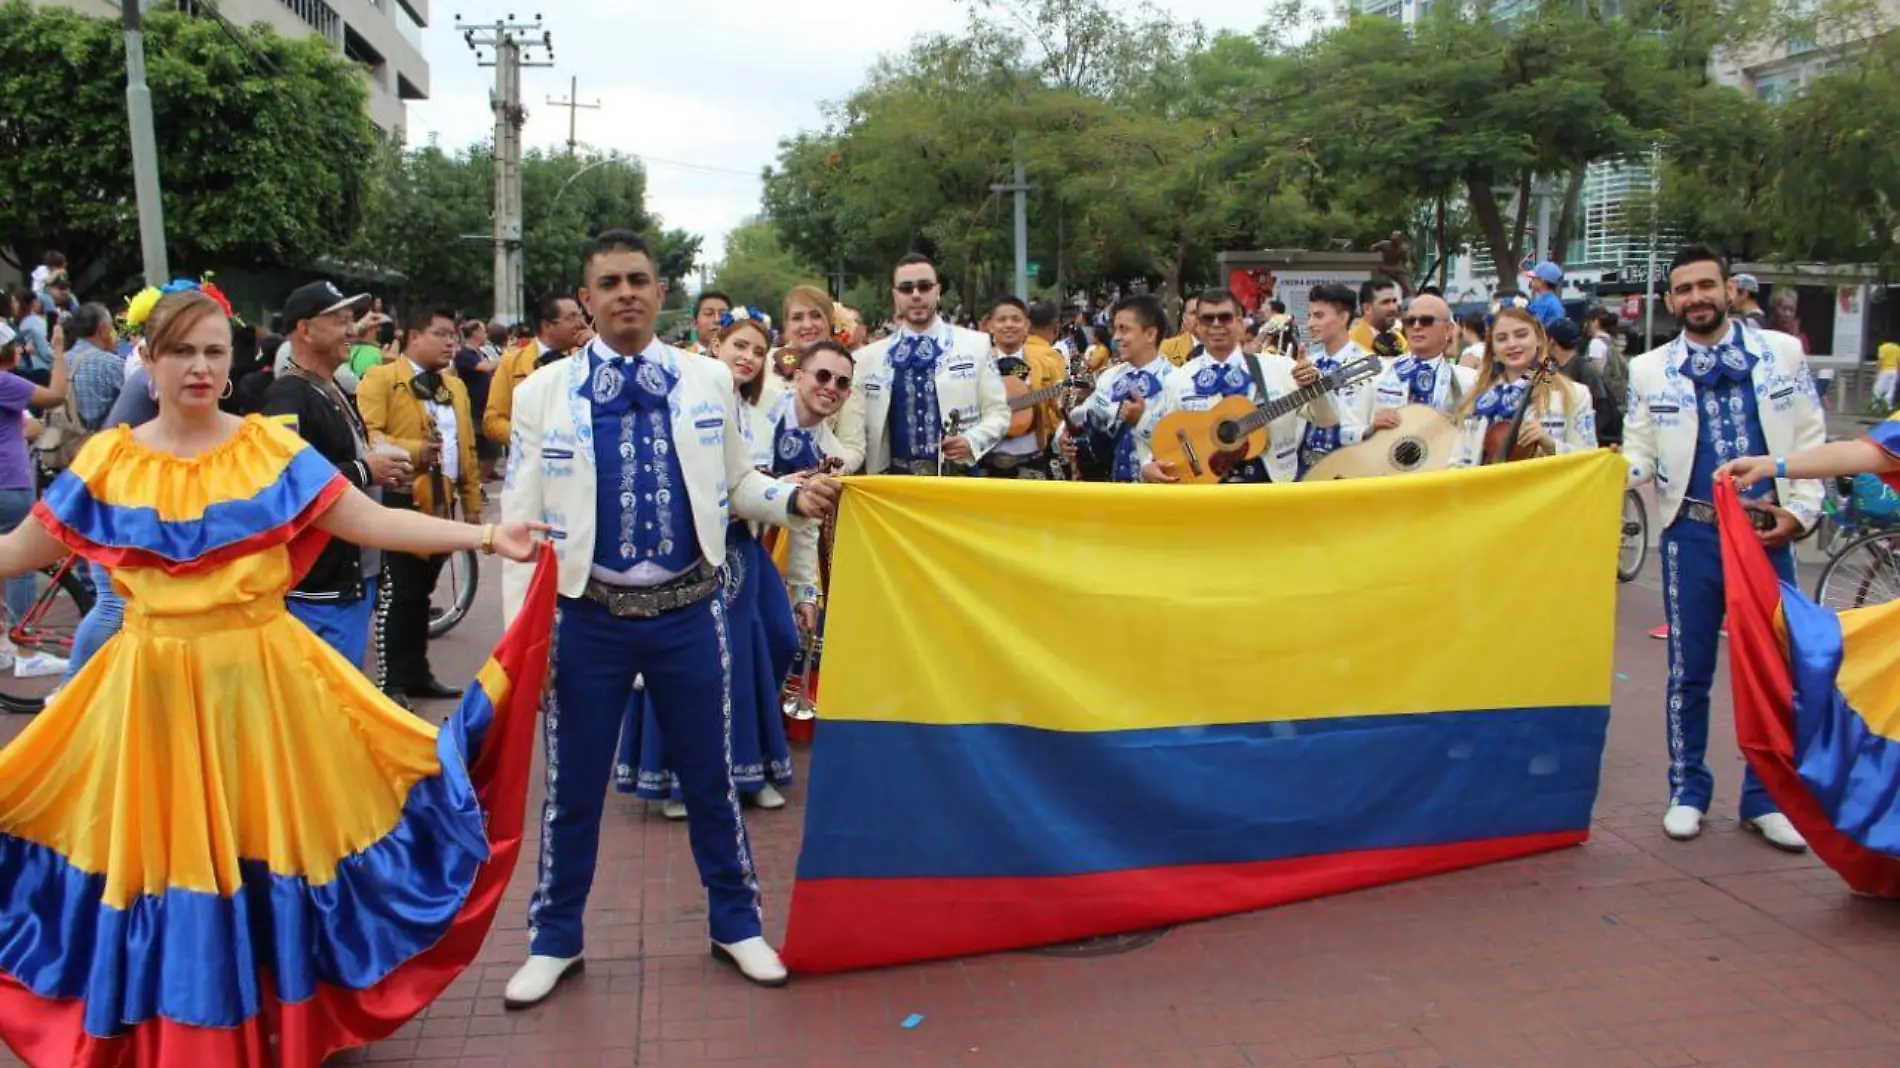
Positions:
{"x": 1631, "y": 952}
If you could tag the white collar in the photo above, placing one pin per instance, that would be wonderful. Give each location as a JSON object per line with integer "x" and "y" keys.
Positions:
{"x": 655, "y": 350}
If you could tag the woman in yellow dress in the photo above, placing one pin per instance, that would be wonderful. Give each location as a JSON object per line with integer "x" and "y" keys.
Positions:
{"x": 221, "y": 845}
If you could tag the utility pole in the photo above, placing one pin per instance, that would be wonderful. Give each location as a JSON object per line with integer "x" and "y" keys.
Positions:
{"x": 574, "y": 107}
{"x": 512, "y": 46}
{"x": 1021, "y": 188}
{"x": 138, "y": 112}
{"x": 837, "y": 282}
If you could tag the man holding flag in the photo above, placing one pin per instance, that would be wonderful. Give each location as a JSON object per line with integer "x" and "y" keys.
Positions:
{"x": 1720, "y": 392}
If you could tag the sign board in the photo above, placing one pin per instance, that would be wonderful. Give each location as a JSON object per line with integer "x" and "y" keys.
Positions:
{"x": 1850, "y": 321}
{"x": 1294, "y": 288}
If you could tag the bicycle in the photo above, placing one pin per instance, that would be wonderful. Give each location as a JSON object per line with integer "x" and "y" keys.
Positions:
{"x": 1863, "y": 543}
{"x": 1633, "y": 551}
{"x": 47, "y": 627}
{"x": 461, "y": 575}
{"x": 454, "y": 588}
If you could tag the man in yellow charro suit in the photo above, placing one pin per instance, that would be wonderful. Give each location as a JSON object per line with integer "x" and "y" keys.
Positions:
{"x": 415, "y": 404}
{"x": 557, "y": 331}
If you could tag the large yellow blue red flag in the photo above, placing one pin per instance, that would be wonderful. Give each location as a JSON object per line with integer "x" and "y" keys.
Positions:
{"x": 1056, "y": 711}
{"x": 1817, "y": 707}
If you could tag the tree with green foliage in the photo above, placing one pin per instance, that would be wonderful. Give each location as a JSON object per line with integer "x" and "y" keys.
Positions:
{"x": 758, "y": 270}
{"x": 431, "y": 212}
{"x": 265, "y": 153}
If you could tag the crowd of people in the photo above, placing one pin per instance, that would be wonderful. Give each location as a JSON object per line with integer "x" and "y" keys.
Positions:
{"x": 684, "y": 494}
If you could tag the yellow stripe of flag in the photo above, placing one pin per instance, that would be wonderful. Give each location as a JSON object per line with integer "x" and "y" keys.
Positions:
{"x": 1099, "y": 608}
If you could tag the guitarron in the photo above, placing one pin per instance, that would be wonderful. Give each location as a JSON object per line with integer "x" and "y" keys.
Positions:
{"x": 1207, "y": 446}
{"x": 1424, "y": 440}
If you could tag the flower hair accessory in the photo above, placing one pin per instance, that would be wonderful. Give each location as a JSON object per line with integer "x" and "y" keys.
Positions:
{"x": 744, "y": 314}
{"x": 139, "y": 308}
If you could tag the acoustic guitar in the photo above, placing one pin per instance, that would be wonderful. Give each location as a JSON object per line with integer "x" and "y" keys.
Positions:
{"x": 1424, "y": 440}
{"x": 1207, "y": 446}
{"x": 1023, "y": 401}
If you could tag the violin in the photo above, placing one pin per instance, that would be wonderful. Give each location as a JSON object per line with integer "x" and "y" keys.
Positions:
{"x": 1500, "y": 441}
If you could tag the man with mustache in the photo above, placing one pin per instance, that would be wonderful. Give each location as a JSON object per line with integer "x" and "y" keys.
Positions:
{"x": 929, "y": 374}
{"x": 632, "y": 452}
{"x": 1720, "y": 392}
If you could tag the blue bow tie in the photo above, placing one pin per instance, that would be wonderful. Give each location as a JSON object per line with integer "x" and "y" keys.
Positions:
{"x": 1500, "y": 401}
{"x": 913, "y": 350}
{"x": 1729, "y": 360}
{"x": 795, "y": 450}
{"x": 1420, "y": 377}
{"x": 619, "y": 384}
{"x": 1218, "y": 381}
{"x": 1135, "y": 383}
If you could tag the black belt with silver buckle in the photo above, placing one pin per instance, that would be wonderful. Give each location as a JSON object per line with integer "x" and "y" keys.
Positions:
{"x": 925, "y": 467}
{"x": 648, "y": 602}
{"x": 1703, "y": 512}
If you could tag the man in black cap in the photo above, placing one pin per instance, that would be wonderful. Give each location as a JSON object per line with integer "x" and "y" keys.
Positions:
{"x": 336, "y": 599}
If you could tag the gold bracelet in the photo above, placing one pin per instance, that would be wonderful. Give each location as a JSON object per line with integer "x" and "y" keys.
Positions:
{"x": 488, "y": 540}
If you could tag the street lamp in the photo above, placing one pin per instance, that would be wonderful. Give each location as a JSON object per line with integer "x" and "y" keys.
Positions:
{"x": 570, "y": 180}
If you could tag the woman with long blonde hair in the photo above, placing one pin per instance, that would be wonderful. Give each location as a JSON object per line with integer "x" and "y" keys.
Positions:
{"x": 1560, "y": 417}
{"x": 763, "y": 635}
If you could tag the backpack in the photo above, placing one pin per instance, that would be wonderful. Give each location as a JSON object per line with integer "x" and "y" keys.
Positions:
{"x": 62, "y": 434}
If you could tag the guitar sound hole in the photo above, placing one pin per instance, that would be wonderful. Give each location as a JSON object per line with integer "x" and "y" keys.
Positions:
{"x": 1408, "y": 453}
{"x": 1227, "y": 433}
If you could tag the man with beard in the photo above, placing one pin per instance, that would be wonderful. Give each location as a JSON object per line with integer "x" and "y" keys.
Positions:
{"x": 912, "y": 385}
{"x": 1720, "y": 392}
{"x": 1377, "y": 330}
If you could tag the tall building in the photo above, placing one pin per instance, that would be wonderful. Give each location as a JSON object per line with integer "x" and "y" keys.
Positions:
{"x": 384, "y": 36}
{"x": 1604, "y": 242}
{"x": 1777, "y": 71}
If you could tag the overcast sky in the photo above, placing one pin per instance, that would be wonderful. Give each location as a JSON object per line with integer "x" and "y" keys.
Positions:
{"x": 702, "y": 89}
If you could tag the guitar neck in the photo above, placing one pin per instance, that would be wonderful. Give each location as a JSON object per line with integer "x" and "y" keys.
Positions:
{"x": 1046, "y": 393}
{"x": 1293, "y": 401}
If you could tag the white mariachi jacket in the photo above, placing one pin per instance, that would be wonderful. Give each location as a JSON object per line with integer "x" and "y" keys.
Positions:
{"x": 1353, "y": 405}
{"x": 801, "y": 559}
{"x": 1574, "y": 429}
{"x": 968, "y": 384}
{"x": 1102, "y": 412}
{"x": 552, "y": 478}
{"x": 1661, "y": 423}
{"x": 1390, "y": 391}
{"x": 1284, "y": 434}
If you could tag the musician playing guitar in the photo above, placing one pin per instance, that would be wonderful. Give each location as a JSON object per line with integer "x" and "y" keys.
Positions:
{"x": 1559, "y": 416}
{"x": 1024, "y": 452}
{"x": 1222, "y": 371}
{"x": 1125, "y": 404}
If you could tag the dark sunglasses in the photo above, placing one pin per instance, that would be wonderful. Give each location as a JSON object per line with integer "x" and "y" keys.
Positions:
{"x": 907, "y": 288}
{"x": 1216, "y": 318}
{"x": 1425, "y": 321}
{"x": 825, "y": 377}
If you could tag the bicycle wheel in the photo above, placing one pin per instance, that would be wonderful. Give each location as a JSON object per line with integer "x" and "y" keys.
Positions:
{"x": 1866, "y": 572}
{"x": 48, "y": 628}
{"x": 1634, "y": 551}
{"x": 454, "y": 592}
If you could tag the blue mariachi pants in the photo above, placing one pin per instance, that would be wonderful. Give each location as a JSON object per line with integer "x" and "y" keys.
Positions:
{"x": 1694, "y": 607}
{"x": 686, "y": 660}
{"x": 344, "y": 624}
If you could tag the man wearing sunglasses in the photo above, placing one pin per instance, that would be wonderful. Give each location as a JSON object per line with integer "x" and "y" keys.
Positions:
{"x": 911, "y": 386}
{"x": 801, "y": 442}
{"x": 1424, "y": 376}
{"x": 1221, "y": 371}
